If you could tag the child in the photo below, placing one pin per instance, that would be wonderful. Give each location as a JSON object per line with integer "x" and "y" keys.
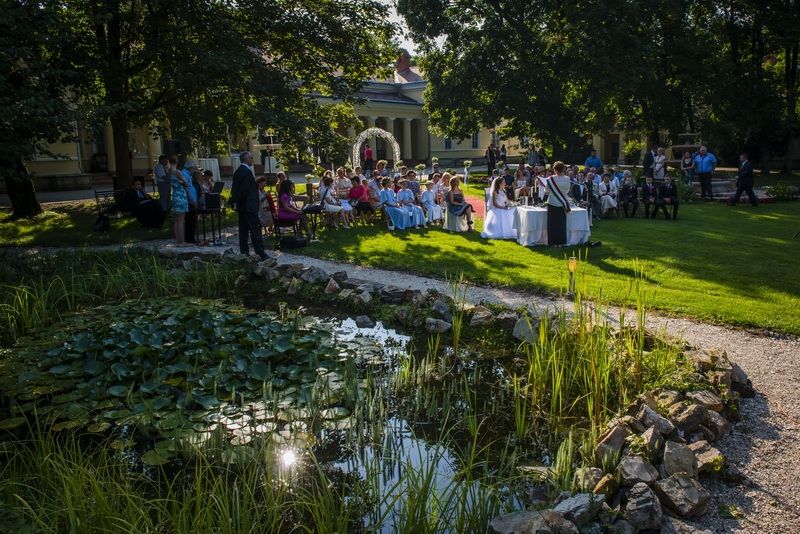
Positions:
{"x": 397, "y": 217}
{"x": 434, "y": 211}
{"x": 406, "y": 199}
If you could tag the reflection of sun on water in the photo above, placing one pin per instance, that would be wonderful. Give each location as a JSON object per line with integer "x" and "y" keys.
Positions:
{"x": 288, "y": 458}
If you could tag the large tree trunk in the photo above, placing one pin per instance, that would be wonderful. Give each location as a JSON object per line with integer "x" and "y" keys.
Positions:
{"x": 122, "y": 156}
{"x": 764, "y": 156}
{"x": 790, "y": 73}
{"x": 22, "y": 192}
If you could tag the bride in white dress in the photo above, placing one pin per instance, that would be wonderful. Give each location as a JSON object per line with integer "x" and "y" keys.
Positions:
{"x": 499, "y": 215}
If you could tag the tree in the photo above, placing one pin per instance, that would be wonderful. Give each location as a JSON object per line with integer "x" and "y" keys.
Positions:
{"x": 37, "y": 101}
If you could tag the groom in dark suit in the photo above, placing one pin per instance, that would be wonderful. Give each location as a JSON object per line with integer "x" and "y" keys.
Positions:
{"x": 744, "y": 183}
{"x": 244, "y": 196}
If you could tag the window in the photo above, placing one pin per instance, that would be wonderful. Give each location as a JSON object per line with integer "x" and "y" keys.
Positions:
{"x": 475, "y": 140}
{"x": 495, "y": 139}
{"x": 448, "y": 143}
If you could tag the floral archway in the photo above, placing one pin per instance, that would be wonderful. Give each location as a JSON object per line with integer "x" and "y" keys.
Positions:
{"x": 374, "y": 132}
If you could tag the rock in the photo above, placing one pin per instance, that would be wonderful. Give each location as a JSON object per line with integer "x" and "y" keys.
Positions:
{"x": 707, "y": 359}
{"x": 538, "y": 522}
{"x": 442, "y": 309}
{"x": 539, "y": 494}
{"x": 706, "y": 398}
{"x": 350, "y": 283}
{"x": 650, "y": 417}
{"x": 592, "y": 528}
{"x": 561, "y": 497}
{"x": 621, "y": 526}
{"x": 586, "y": 478}
{"x": 404, "y": 315}
{"x": 481, "y": 316}
{"x": 526, "y": 329}
{"x": 363, "y": 321}
{"x": 345, "y": 293}
{"x": 392, "y": 294}
{"x": 314, "y": 275}
{"x": 653, "y": 442}
{"x": 272, "y": 274}
{"x": 716, "y": 424}
{"x": 701, "y": 434}
{"x": 633, "y": 424}
{"x": 610, "y": 443}
{"x": 339, "y": 276}
{"x": 666, "y": 397}
{"x": 678, "y": 458}
{"x": 414, "y": 296}
{"x": 291, "y": 269}
{"x": 687, "y": 416}
{"x": 709, "y": 459}
{"x": 580, "y": 509}
{"x": 643, "y": 509}
{"x": 673, "y": 525}
{"x": 436, "y": 326}
{"x": 264, "y": 267}
{"x": 634, "y": 469}
{"x": 332, "y": 287}
{"x": 364, "y": 297}
{"x": 507, "y": 320}
{"x": 740, "y": 383}
{"x": 683, "y": 495}
{"x": 606, "y": 486}
{"x": 294, "y": 286}
{"x": 721, "y": 379}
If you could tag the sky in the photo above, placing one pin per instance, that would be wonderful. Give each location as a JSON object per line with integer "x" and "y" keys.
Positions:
{"x": 398, "y": 21}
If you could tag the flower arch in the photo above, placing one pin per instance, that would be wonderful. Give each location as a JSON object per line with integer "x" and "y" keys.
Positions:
{"x": 374, "y": 132}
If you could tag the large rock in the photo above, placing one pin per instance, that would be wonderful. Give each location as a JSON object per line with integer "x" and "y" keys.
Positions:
{"x": 332, "y": 287}
{"x": 688, "y": 416}
{"x": 442, "y": 308}
{"x": 650, "y": 417}
{"x": 437, "y": 326}
{"x": 346, "y": 293}
{"x": 526, "y": 329}
{"x": 610, "y": 443}
{"x": 740, "y": 383}
{"x": 339, "y": 276}
{"x": 708, "y": 359}
{"x": 678, "y": 458}
{"x": 716, "y": 424}
{"x": 707, "y": 399}
{"x": 581, "y": 508}
{"x": 294, "y": 286}
{"x": 683, "y": 495}
{"x": 586, "y": 478}
{"x": 350, "y": 283}
{"x": 414, "y": 296}
{"x": 481, "y": 316}
{"x": 404, "y": 315}
{"x": 363, "y": 297}
{"x": 314, "y": 275}
{"x": 606, "y": 486}
{"x": 392, "y": 294}
{"x": 643, "y": 509}
{"x": 533, "y": 522}
{"x": 653, "y": 442}
{"x": 666, "y": 397}
{"x": 363, "y": 321}
{"x": 634, "y": 469}
{"x": 291, "y": 269}
{"x": 709, "y": 459}
{"x": 507, "y": 320}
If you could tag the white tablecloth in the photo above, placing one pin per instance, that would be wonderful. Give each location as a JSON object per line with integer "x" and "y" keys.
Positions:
{"x": 210, "y": 164}
{"x": 531, "y": 226}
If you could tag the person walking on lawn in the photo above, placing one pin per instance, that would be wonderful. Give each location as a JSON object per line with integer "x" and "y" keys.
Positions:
{"x": 744, "y": 182}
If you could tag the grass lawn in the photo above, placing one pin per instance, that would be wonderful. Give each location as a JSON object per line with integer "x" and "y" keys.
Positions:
{"x": 733, "y": 265}
{"x": 71, "y": 224}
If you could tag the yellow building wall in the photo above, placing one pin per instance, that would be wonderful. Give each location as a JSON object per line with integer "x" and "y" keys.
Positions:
{"x": 68, "y": 163}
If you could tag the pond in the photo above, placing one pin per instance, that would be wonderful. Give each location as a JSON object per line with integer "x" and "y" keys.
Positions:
{"x": 322, "y": 425}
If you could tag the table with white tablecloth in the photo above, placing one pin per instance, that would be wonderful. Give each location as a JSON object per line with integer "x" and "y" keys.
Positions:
{"x": 531, "y": 225}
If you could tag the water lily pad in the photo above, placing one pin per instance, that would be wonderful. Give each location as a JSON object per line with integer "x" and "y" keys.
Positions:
{"x": 208, "y": 401}
{"x": 154, "y": 457}
{"x": 65, "y": 425}
{"x": 117, "y": 391}
{"x": 259, "y": 371}
{"x": 61, "y": 369}
{"x": 12, "y": 423}
{"x": 335, "y": 413}
{"x": 99, "y": 428}
{"x": 239, "y": 455}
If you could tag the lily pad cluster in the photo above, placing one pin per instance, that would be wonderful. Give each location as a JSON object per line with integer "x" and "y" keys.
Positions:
{"x": 174, "y": 371}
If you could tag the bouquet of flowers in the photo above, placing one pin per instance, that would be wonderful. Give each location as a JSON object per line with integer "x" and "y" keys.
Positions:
{"x": 419, "y": 168}
{"x": 434, "y": 159}
{"x": 398, "y": 163}
{"x": 310, "y": 177}
{"x": 467, "y": 163}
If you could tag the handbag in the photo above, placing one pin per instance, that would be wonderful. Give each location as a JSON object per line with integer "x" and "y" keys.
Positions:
{"x": 317, "y": 207}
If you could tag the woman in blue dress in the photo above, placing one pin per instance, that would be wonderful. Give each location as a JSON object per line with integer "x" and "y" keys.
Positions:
{"x": 180, "y": 204}
{"x": 456, "y": 205}
{"x": 397, "y": 217}
{"x": 406, "y": 200}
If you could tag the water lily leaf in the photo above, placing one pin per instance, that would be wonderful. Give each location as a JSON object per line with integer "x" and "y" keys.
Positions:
{"x": 99, "y": 428}
{"x": 335, "y": 413}
{"x": 259, "y": 371}
{"x": 208, "y": 401}
{"x": 154, "y": 457}
{"x": 94, "y": 367}
{"x": 283, "y": 345}
{"x": 117, "y": 391}
{"x": 65, "y": 425}
{"x": 61, "y": 369}
{"x": 148, "y": 387}
{"x": 12, "y": 423}
{"x": 120, "y": 369}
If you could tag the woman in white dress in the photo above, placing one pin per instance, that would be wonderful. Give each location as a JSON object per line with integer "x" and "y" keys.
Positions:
{"x": 608, "y": 195}
{"x": 433, "y": 211}
{"x": 331, "y": 204}
{"x": 659, "y": 164}
{"x": 499, "y": 216}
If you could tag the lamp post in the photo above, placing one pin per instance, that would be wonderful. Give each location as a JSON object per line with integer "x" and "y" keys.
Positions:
{"x": 572, "y": 265}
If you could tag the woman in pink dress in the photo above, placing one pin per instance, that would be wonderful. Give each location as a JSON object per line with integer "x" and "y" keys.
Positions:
{"x": 287, "y": 209}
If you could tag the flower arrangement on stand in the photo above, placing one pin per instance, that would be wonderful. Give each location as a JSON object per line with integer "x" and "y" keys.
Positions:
{"x": 419, "y": 168}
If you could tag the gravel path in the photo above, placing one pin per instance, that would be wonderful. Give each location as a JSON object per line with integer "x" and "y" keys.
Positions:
{"x": 761, "y": 488}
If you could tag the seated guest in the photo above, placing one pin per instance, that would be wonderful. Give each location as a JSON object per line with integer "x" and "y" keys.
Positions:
{"x": 359, "y": 197}
{"x": 521, "y": 188}
{"x": 144, "y": 207}
{"x": 264, "y": 213}
{"x": 343, "y": 183}
{"x": 499, "y": 217}
{"x": 649, "y": 196}
{"x": 331, "y": 204}
{"x": 508, "y": 178}
{"x": 359, "y": 174}
{"x": 629, "y": 195}
{"x": 407, "y": 202}
{"x": 446, "y": 178}
{"x": 398, "y": 218}
{"x": 288, "y": 210}
{"x": 208, "y": 177}
{"x": 607, "y": 192}
{"x": 668, "y": 196}
{"x": 456, "y": 205}
{"x": 375, "y": 188}
{"x": 433, "y": 211}
{"x": 437, "y": 188}
{"x": 413, "y": 184}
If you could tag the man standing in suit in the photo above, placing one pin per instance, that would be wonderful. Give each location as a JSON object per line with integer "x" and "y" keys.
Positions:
{"x": 668, "y": 196}
{"x": 744, "y": 182}
{"x": 490, "y": 158}
{"x": 649, "y": 197}
{"x": 244, "y": 196}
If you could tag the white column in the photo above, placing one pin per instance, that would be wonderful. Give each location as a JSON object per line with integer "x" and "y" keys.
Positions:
{"x": 406, "y": 146}
{"x": 621, "y": 156}
{"x": 371, "y": 140}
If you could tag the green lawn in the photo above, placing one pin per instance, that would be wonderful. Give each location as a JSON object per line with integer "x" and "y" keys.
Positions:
{"x": 72, "y": 225}
{"x": 733, "y": 265}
